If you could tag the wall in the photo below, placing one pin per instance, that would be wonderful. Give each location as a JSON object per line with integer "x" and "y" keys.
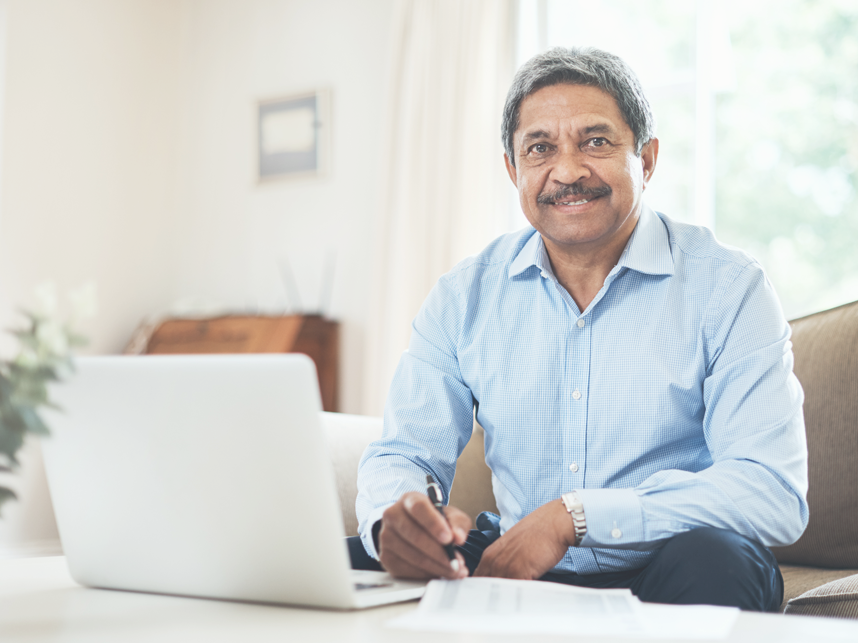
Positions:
{"x": 129, "y": 159}
{"x": 89, "y": 124}
{"x": 236, "y": 234}
{"x": 88, "y": 177}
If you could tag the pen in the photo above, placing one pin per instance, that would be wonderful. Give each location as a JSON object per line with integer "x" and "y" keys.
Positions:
{"x": 435, "y": 495}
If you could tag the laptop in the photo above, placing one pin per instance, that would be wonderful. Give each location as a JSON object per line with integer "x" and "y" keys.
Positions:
{"x": 205, "y": 476}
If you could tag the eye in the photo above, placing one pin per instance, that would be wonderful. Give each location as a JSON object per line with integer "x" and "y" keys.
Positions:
{"x": 539, "y": 148}
{"x": 597, "y": 142}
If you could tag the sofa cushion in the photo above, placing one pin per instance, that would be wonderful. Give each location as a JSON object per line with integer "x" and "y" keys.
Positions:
{"x": 472, "y": 486}
{"x": 798, "y": 580}
{"x": 826, "y": 364}
{"x": 838, "y": 598}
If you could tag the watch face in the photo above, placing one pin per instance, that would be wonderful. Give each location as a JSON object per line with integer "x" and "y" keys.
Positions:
{"x": 571, "y": 502}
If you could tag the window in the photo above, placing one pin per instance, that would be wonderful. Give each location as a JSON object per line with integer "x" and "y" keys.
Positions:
{"x": 756, "y": 106}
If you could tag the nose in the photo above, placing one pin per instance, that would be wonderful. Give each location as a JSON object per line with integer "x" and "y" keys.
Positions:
{"x": 570, "y": 167}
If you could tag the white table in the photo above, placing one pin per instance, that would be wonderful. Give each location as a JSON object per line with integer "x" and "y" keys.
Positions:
{"x": 40, "y": 602}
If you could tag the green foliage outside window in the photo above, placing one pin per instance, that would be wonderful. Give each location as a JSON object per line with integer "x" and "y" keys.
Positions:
{"x": 786, "y": 131}
{"x": 787, "y": 148}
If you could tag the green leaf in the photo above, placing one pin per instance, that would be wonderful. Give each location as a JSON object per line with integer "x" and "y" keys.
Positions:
{"x": 32, "y": 394}
{"x": 44, "y": 371}
{"x": 10, "y": 417}
{"x": 33, "y": 421}
{"x": 11, "y": 439}
{"x": 27, "y": 338}
{"x": 6, "y": 387}
{"x": 5, "y": 495}
{"x": 77, "y": 341}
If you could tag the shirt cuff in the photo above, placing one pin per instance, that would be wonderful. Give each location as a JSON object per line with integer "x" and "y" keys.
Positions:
{"x": 614, "y": 518}
{"x": 366, "y": 535}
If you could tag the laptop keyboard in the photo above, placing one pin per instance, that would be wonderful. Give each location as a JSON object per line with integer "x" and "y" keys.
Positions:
{"x": 362, "y": 586}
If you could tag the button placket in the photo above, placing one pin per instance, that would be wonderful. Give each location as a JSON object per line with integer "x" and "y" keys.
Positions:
{"x": 576, "y": 392}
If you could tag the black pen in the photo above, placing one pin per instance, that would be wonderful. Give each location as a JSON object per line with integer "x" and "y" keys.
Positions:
{"x": 435, "y": 495}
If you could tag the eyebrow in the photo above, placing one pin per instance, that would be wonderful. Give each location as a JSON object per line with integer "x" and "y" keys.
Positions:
{"x": 601, "y": 128}
{"x": 537, "y": 134}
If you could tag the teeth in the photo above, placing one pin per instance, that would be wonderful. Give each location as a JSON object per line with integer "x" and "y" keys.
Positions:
{"x": 574, "y": 202}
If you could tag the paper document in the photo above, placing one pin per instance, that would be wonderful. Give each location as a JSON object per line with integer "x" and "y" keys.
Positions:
{"x": 503, "y": 606}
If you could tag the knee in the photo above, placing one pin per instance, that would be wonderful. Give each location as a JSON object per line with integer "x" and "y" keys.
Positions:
{"x": 718, "y": 567}
{"x": 720, "y": 552}
{"x": 711, "y": 548}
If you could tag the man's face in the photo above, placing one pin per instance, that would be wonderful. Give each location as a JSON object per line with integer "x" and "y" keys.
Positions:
{"x": 578, "y": 177}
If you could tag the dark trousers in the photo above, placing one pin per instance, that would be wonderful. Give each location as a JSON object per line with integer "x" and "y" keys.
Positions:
{"x": 703, "y": 566}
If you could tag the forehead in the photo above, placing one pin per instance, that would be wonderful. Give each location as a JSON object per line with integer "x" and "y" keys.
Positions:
{"x": 571, "y": 105}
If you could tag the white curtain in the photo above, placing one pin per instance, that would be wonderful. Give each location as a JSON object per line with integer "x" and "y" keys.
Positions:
{"x": 446, "y": 193}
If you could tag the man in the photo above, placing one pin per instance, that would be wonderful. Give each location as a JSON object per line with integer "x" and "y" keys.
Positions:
{"x": 633, "y": 377}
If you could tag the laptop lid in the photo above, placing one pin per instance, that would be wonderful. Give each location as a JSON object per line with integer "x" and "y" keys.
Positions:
{"x": 199, "y": 475}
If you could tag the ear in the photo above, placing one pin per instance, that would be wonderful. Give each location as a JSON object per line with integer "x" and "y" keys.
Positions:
{"x": 649, "y": 157}
{"x": 510, "y": 169}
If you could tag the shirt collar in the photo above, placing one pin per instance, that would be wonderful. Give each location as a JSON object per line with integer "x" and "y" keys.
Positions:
{"x": 533, "y": 253}
{"x": 647, "y": 251}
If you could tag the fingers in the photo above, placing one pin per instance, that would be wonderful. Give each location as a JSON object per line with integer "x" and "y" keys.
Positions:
{"x": 421, "y": 510}
{"x": 485, "y": 567}
{"x": 460, "y": 522}
{"x": 416, "y": 548}
{"x": 403, "y": 559}
{"x": 494, "y": 563}
{"x": 411, "y": 538}
{"x": 530, "y": 548}
{"x": 402, "y": 568}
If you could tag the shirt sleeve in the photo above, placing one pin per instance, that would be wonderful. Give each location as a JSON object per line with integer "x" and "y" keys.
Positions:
{"x": 754, "y": 429}
{"x": 428, "y": 417}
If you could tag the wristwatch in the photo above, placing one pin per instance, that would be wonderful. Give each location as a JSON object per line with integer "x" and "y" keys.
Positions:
{"x": 575, "y": 508}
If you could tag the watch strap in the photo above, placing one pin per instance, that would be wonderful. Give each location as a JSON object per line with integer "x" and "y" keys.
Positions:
{"x": 575, "y": 508}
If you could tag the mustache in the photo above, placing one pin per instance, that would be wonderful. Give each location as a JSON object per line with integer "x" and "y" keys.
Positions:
{"x": 572, "y": 190}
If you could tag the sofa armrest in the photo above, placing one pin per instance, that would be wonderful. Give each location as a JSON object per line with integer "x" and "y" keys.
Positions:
{"x": 348, "y": 436}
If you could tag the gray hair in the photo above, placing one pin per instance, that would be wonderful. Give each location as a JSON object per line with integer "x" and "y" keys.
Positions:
{"x": 580, "y": 66}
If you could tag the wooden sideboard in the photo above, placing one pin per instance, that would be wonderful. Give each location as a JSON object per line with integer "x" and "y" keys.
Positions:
{"x": 312, "y": 335}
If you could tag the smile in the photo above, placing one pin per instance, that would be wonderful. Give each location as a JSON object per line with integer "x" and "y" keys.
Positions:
{"x": 581, "y": 195}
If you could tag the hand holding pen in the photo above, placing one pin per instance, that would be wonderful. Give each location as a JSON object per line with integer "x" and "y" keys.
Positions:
{"x": 418, "y": 536}
{"x": 437, "y": 498}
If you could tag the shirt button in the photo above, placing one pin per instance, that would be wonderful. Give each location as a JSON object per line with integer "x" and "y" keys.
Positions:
{"x": 573, "y": 467}
{"x": 576, "y": 395}
{"x": 581, "y": 323}
{"x": 544, "y": 274}
{"x": 616, "y": 533}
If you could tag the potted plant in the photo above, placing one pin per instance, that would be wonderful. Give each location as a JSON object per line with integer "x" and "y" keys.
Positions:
{"x": 44, "y": 356}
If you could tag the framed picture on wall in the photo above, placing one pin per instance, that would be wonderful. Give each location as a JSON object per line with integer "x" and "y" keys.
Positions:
{"x": 293, "y": 135}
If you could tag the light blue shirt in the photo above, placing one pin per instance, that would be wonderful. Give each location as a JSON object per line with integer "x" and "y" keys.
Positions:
{"x": 668, "y": 404}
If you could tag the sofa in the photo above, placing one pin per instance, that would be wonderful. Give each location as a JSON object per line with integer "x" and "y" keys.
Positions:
{"x": 820, "y": 570}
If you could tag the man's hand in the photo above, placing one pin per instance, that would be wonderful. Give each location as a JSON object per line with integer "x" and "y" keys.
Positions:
{"x": 412, "y": 536}
{"x": 533, "y": 546}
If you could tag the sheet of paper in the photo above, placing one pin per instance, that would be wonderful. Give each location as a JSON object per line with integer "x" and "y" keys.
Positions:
{"x": 494, "y": 605}
{"x": 497, "y": 605}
